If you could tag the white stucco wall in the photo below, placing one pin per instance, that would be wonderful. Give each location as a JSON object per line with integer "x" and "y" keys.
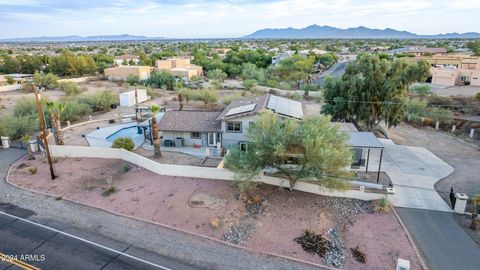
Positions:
{"x": 195, "y": 171}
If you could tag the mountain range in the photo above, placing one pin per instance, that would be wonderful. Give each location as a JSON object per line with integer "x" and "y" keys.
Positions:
{"x": 319, "y": 32}
{"x": 74, "y": 38}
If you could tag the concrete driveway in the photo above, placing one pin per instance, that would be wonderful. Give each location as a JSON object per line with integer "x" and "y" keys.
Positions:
{"x": 413, "y": 171}
{"x": 444, "y": 244}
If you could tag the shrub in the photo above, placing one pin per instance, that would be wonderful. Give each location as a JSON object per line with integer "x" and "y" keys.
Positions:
{"x": 249, "y": 84}
{"x": 126, "y": 168}
{"x": 441, "y": 115}
{"x": 132, "y": 80}
{"x": 296, "y": 96}
{"x": 109, "y": 191}
{"x": 229, "y": 99}
{"x": 15, "y": 126}
{"x": 32, "y": 170}
{"x": 284, "y": 86}
{"x": 383, "y": 206}
{"x": 421, "y": 89}
{"x": 70, "y": 88}
{"x": 74, "y": 110}
{"x": 49, "y": 80}
{"x": 26, "y": 106}
{"x": 123, "y": 143}
{"x": 101, "y": 101}
{"x": 477, "y": 96}
{"x": 207, "y": 96}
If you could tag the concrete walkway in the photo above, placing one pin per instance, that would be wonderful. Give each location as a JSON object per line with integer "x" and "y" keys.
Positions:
{"x": 413, "y": 172}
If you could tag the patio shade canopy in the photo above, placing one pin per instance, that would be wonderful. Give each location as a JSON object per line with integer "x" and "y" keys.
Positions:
{"x": 360, "y": 139}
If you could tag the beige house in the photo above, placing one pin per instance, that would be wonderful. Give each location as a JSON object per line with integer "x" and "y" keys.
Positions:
{"x": 121, "y": 73}
{"x": 179, "y": 67}
{"x": 126, "y": 58}
{"x": 456, "y": 72}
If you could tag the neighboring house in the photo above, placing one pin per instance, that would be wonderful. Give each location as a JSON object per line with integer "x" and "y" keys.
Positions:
{"x": 464, "y": 71}
{"x": 281, "y": 56}
{"x": 179, "y": 67}
{"x": 419, "y": 51}
{"x": 126, "y": 59}
{"x": 121, "y": 73}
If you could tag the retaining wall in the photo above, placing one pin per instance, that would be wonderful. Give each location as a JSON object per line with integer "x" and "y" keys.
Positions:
{"x": 197, "y": 172}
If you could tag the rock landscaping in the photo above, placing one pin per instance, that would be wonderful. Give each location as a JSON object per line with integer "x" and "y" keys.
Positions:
{"x": 268, "y": 221}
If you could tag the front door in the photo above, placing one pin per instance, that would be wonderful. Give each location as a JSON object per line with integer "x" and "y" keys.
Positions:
{"x": 213, "y": 138}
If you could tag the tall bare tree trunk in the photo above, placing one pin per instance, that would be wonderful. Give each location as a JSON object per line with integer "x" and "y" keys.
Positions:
{"x": 156, "y": 140}
{"x": 58, "y": 128}
{"x": 54, "y": 126}
{"x": 180, "y": 101}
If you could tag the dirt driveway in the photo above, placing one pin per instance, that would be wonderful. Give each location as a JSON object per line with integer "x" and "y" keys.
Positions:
{"x": 464, "y": 157}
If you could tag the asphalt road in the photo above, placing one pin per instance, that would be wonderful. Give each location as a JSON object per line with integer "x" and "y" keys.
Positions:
{"x": 444, "y": 244}
{"x": 335, "y": 71}
{"x": 48, "y": 249}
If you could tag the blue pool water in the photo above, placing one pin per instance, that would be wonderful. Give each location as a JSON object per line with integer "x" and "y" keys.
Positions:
{"x": 132, "y": 132}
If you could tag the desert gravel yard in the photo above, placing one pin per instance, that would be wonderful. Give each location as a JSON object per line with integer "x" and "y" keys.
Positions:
{"x": 267, "y": 222}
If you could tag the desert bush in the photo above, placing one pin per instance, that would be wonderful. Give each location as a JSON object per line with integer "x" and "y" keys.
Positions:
{"x": 477, "y": 96}
{"x": 70, "y": 88}
{"x": 421, "y": 89}
{"x": 26, "y": 106}
{"x": 100, "y": 101}
{"x": 229, "y": 99}
{"x": 285, "y": 86}
{"x": 74, "y": 110}
{"x": 207, "y": 96}
{"x": 383, "y": 206}
{"x": 109, "y": 191}
{"x": 49, "y": 80}
{"x": 126, "y": 168}
{"x": 15, "y": 126}
{"x": 28, "y": 87}
{"x": 123, "y": 143}
{"x": 132, "y": 80}
{"x": 249, "y": 84}
{"x": 441, "y": 115}
{"x": 296, "y": 96}
{"x": 32, "y": 170}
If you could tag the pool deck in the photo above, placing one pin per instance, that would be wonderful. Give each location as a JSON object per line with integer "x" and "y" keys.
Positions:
{"x": 98, "y": 138}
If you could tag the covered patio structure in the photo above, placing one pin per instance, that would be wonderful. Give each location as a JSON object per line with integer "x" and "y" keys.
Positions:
{"x": 361, "y": 141}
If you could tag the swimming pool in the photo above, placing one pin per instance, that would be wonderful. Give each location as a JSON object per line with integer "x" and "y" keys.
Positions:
{"x": 104, "y": 137}
{"x": 131, "y": 132}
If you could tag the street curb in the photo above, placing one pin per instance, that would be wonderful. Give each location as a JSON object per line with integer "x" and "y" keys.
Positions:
{"x": 163, "y": 225}
{"x": 410, "y": 239}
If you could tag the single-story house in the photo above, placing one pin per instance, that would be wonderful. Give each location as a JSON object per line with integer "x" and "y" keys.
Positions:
{"x": 126, "y": 59}
{"x": 179, "y": 67}
{"x": 193, "y": 127}
{"x": 121, "y": 73}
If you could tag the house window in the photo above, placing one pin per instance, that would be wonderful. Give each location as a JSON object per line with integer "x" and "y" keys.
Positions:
{"x": 195, "y": 135}
{"x": 234, "y": 127}
{"x": 463, "y": 78}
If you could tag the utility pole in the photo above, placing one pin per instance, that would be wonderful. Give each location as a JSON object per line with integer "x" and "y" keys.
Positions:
{"x": 43, "y": 133}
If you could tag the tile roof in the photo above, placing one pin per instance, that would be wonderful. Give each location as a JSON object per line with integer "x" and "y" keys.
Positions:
{"x": 190, "y": 121}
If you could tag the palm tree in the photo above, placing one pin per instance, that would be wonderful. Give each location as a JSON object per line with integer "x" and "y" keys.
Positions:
{"x": 476, "y": 203}
{"x": 51, "y": 110}
{"x": 154, "y": 108}
{"x": 60, "y": 108}
{"x": 26, "y": 140}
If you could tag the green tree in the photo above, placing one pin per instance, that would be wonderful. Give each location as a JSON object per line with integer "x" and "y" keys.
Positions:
{"x": 123, "y": 143}
{"x": 161, "y": 79}
{"x": 207, "y": 96}
{"x": 217, "y": 74}
{"x": 49, "y": 80}
{"x": 309, "y": 149}
{"x": 249, "y": 84}
{"x": 372, "y": 90}
{"x": 26, "y": 141}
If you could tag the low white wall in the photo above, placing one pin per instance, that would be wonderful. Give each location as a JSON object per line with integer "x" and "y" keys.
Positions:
{"x": 12, "y": 87}
{"x": 196, "y": 172}
{"x": 77, "y": 80}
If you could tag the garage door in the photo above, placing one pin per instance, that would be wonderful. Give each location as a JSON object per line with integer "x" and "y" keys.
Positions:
{"x": 443, "y": 81}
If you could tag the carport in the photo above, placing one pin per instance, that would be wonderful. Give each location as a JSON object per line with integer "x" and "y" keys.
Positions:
{"x": 366, "y": 140}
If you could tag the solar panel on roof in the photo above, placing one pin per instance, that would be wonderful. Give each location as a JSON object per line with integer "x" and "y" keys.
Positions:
{"x": 285, "y": 106}
{"x": 241, "y": 109}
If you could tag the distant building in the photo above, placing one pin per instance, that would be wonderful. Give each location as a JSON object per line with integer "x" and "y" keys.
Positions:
{"x": 419, "y": 51}
{"x": 281, "y": 56}
{"x": 450, "y": 70}
{"x": 126, "y": 58}
{"x": 179, "y": 67}
{"x": 121, "y": 73}
{"x": 222, "y": 52}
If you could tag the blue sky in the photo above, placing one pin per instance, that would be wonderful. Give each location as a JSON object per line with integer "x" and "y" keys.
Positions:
{"x": 229, "y": 18}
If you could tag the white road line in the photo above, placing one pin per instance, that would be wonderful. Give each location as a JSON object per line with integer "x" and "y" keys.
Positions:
{"x": 87, "y": 241}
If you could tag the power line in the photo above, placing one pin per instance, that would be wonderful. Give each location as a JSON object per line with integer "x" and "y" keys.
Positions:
{"x": 391, "y": 103}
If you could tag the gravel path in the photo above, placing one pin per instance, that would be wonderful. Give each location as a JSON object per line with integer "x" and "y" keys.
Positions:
{"x": 194, "y": 250}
